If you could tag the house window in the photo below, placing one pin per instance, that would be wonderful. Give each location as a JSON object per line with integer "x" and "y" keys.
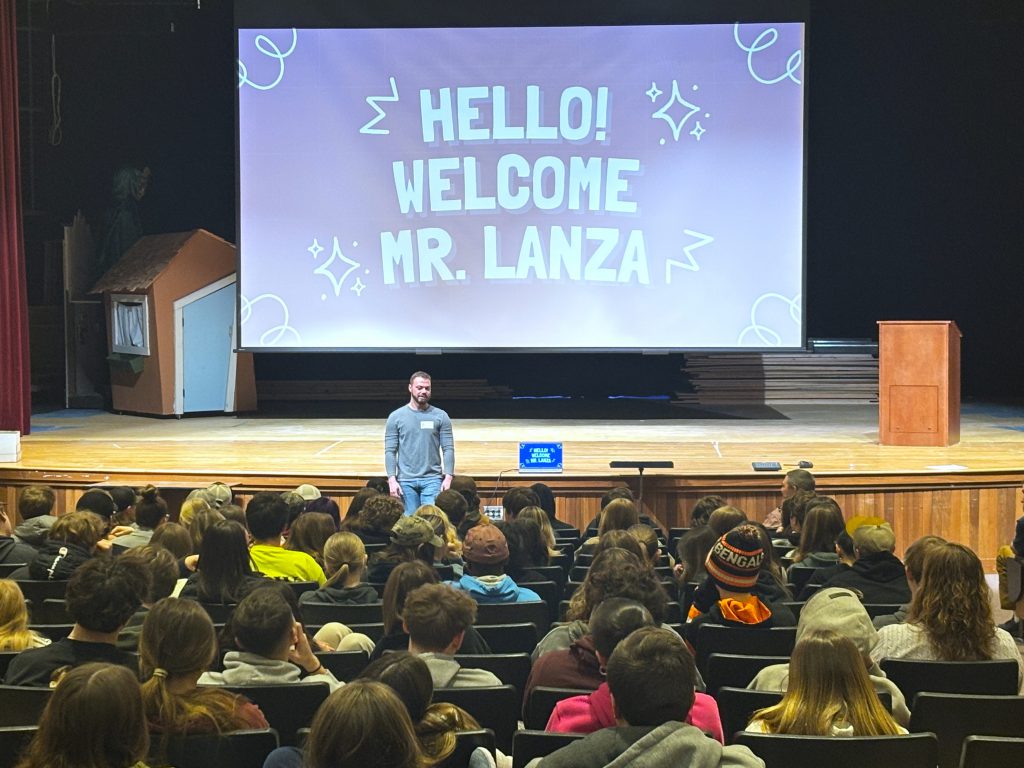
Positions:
{"x": 129, "y": 323}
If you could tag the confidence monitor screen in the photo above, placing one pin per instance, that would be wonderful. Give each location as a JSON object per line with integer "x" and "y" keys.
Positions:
{"x": 564, "y": 188}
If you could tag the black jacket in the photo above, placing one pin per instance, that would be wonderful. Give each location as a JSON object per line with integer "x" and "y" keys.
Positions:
{"x": 879, "y": 577}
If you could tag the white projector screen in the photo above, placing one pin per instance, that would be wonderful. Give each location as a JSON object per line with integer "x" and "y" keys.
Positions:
{"x": 531, "y": 188}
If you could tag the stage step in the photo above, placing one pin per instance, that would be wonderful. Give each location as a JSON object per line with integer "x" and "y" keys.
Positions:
{"x": 381, "y": 389}
{"x": 780, "y": 378}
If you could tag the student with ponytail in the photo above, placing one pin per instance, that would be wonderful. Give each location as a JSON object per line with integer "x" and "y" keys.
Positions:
{"x": 345, "y": 564}
{"x": 177, "y": 645}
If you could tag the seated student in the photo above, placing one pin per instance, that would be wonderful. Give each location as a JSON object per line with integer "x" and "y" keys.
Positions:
{"x": 618, "y": 515}
{"x": 527, "y": 548}
{"x": 224, "y": 573}
{"x": 14, "y": 632}
{"x": 821, "y": 526}
{"x": 72, "y": 541}
{"x": 950, "y": 617}
{"x": 99, "y": 502}
{"x": 913, "y": 562}
{"x": 101, "y": 596}
{"x": 150, "y": 514}
{"x": 177, "y": 645}
{"x": 454, "y": 505}
{"x": 451, "y": 551}
{"x": 163, "y": 578}
{"x": 267, "y": 519}
{"x": 651, "y": 676}
{"x": 345, "y": 564}
{"x": 877, "y": 574}
{"x": 412, "y": 538}
{"x": 829, "y": 694}
{"x": 537, "y": 516}
{"x": 436, "y": 618}
{"x": 547, "y": 503}
{"x": 517, "y": 499}
{"x": 94, "y": 718}
{"x": 435, "y": 723}
{"x": 309, "y": 533}
{"x": 35, "y": 508}
{"x": 840, "y": 611}
{"x": 363, "y": 725}
{"x": 125, "y": 499}
{"x": 845, "y": 558}
{"x": 403, "y": 580}
{"x": 613, "y": 620}
{"x": 1011, "y": 551}
{"x": 273, "y": 646}
{"x": 618, "y": 492}
{"x": 614, "y": 573}
{"x": 795, "y": 480}
{"x": 376, "y": 519}
{"x": 486, "y": 554}
{"x": 734, "y": 566}
{"x": 11, "y": 550}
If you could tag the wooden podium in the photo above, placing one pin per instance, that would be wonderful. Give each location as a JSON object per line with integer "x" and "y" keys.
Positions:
{"x": 918, "y": 382}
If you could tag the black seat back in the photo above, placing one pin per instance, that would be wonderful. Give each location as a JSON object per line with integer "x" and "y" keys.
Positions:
{"x": 916, "y": 750}
{"x": 236, "y": 749}
{"x": 287, "y": 707}
{"x": 954, "y": 717}
{"x": 911, "y": 676}
{"x": 495, "y": 707}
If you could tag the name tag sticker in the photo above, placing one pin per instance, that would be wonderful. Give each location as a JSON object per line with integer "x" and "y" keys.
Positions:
{"x": 426, "y": 425}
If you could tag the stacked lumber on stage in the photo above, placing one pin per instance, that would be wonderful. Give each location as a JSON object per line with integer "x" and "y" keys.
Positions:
{"x": 802, "y": 377}
{"x": 381, "y": 389}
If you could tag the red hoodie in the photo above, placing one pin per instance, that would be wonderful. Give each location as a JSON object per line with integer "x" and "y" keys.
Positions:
{"x": 586, "y": 714}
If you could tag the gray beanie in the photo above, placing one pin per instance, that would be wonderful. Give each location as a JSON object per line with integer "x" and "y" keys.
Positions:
{"x": 841, "y": 611}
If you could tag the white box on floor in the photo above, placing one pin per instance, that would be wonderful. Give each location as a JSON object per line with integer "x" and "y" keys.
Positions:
{"x": 10, "y": 446}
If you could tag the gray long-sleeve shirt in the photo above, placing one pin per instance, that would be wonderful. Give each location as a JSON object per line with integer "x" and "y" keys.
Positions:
{"x": 418, "y": 443}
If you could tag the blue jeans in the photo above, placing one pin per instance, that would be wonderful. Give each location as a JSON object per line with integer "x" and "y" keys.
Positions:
{"x": 420, "y": 491}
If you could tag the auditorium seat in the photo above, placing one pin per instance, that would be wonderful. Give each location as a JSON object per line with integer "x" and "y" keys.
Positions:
{"x": 13, "y": 741}
{"x": 511, "y": 668}
{"x": 37, "y": 591}
{"x": 51, "y": 611}
{"x": 509, "y": 638}
{"x": 5, "y": 661}
{"x": 6, "y": 569}
{"x": 911, "y": 676}
{"x": 953, "y": 717}
{"x": 219, "y": 613}
{"x": 237, "y": 749}
{"x": 22, "y": 705}
{"x": 536, "y": 613}
{"x": 287, "y": 707}
{"x": 991, "y": 751}
{"x": 298, "y": 587}
{"x": 737, "y": 705}
{"x": 777, "y": 641}
{"x": 918, "y": 750}
{"x": 548, "y": 591}
{"x": 528, "y": 745}
{"x": 494, "y": 707}
{"x": 53, "y": 631}
{"x": 465, "y": 743}
{"x": 344, "y": 665}
{"x": 322, "y": 613}
{"x": 736, "y": 670}
{"x": 881, "y": 609}
{"x": 541, "y": 703}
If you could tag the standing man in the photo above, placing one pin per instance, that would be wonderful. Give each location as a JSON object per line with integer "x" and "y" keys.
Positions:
{"x": 419, "y": 450}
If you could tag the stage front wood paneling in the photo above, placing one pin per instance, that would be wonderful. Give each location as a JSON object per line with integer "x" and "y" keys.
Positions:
{"x": 969, "y": 492}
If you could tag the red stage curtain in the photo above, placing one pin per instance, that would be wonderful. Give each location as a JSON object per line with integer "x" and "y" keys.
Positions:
{"x": 15, "y": 402}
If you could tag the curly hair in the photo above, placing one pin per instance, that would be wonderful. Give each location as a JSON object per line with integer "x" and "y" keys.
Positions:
{"x": 618, "y": 573}
{"x": 104, "y": 592}
{"x": 379, "y": 514}
{"x": 952, "y": 605}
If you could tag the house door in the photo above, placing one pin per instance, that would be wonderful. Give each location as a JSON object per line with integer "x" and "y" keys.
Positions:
{"x": 207, "y": 328}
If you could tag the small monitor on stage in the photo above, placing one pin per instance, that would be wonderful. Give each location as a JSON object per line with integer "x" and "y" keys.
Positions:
{"x": 494, "y": 512}
{"x": 540, "y": 457}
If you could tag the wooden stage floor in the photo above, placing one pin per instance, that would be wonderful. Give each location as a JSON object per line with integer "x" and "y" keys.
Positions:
{"x": 916, "y": 488}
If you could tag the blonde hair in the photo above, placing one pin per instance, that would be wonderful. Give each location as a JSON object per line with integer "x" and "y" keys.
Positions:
{"x": 431, "y": 513}
{"x": 192, "y": 507}
{"x": 14, "y": 632}
{"x": 540, "y": 517}
{"x": 648, "y": 541}
{"x": 344, "y": 554}
{"x": 829, "y": 686}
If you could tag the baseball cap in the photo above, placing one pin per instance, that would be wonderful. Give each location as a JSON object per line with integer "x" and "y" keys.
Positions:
{"x": 870, "y": 539}
{"x": 217, "y": 495}
{"x": 412, "y": 531}
{"x": 485, "y": 544}
{"x": 841, "y": 611}
{"x": 308, "y": 492}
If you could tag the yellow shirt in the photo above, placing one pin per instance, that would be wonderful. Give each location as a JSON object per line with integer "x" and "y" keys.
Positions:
{"x": 286, "y": 564}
